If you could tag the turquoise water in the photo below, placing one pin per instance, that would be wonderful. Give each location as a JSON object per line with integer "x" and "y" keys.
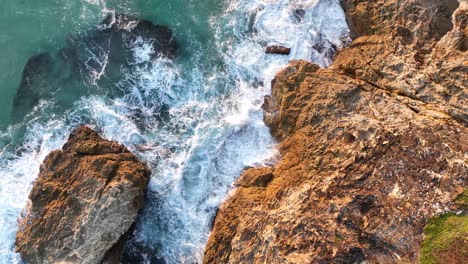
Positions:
{"x": 195, "y": 118}
{"x": 31, "y": 27}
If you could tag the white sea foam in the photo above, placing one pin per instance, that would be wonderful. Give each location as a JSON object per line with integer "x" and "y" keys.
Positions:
{"x": 16, "y": 175}
{"x": 197, "y": 126}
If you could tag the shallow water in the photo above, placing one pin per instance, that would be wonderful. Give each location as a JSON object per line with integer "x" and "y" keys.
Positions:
{"x": 196, "y": 120}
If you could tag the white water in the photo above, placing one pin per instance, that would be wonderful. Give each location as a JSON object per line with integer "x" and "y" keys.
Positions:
{"x": 211, "y": 131}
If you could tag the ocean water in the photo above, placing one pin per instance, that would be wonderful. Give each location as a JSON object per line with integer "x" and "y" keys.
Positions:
{"x": 196, "y": 118}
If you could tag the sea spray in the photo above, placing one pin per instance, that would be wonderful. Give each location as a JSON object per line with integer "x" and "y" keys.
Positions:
{"x": 197, "y": 120}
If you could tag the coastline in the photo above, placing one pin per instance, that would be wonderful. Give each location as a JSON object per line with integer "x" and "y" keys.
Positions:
{"x": 372, "y": 147}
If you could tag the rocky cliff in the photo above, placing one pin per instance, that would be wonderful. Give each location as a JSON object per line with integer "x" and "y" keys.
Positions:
{"x": 86, "y": 196}
{"x": 372, "y": 147}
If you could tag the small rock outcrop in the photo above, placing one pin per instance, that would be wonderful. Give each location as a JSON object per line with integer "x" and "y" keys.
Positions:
{"x": 275, "y": 49}
{"x": 86, "y": 196}
{"x": 372, "y": 148}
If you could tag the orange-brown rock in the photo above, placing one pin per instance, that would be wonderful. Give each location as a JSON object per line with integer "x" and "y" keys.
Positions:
{"x": 85, "y": 198}
{"x": 371, "y": 148}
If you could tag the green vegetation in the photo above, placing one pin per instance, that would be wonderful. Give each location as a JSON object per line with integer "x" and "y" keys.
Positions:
{"x": 462, "y": 200}
{"x": 446, "y": 237}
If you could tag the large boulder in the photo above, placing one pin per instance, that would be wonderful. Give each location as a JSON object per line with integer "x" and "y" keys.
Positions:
{"x": 86, "y": 196}
{"x": 372, "y": 148}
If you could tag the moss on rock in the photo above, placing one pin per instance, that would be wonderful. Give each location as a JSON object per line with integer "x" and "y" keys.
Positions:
{"x": 446, "y": 237}
{"x": 462, "y": 200}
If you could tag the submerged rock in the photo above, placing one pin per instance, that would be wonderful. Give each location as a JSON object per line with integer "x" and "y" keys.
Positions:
{"x": 86, "y": 196}
{"x": 299, "y": 15}
{"x": 129, "y": 29}
{"x": 112, "y": 42}
{"x": 371, "y": 148}
{"x": 34, "y": 76}
{"x": 88, "y": 57}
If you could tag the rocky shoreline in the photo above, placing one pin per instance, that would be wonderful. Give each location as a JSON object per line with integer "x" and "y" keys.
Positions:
{"x": 372, "y": 148}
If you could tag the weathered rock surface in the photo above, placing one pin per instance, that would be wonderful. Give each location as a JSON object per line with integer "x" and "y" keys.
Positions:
{"x": 86, "y": 197}
{"x": 371, "y": 148}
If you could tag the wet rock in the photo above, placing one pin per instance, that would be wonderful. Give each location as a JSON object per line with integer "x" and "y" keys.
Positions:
{"x": 371, "y": 148}
{"x": 325, "y": 47}
{"x": 266, "y": 103}
{"x": 86, "y": 196}
{"x": 275, "y": 49}
{"x": 299, "y": 15}
{"x": 140, "y": 253}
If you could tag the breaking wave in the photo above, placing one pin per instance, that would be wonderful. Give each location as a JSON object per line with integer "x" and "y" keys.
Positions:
{"x": 196, "y": 121}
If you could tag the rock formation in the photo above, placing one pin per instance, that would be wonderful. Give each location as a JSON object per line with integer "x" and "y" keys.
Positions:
{"x": 86, "y": 196}
{"x": 275, "y": 49}
{"x": 371, "y": 148}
